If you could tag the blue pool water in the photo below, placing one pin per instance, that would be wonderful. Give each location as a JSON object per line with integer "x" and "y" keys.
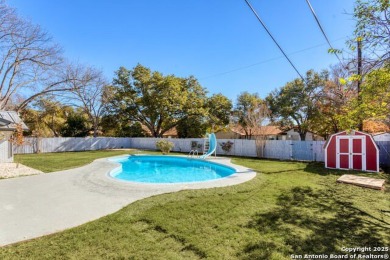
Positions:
{"x": 168, "y": 169}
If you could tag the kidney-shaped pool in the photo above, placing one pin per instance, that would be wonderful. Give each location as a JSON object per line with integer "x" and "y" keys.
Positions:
{"x": 168, "y": 169}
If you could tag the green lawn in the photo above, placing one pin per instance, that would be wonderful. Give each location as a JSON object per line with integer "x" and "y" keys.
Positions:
{"x": 50, "y": 162}
{"x": 289, "y": 208}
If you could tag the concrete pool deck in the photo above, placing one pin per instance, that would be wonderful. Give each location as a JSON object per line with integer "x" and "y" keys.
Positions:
{"x": 39, "y": 205}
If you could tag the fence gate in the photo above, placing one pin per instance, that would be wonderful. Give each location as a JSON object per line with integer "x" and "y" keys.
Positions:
{"x": 276, "y": 149}
{"x": 302, "y": 150}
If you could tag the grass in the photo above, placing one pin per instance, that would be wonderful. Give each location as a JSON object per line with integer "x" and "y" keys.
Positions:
{"x": 50, "y": 162}
{"x": 290, "y": 208}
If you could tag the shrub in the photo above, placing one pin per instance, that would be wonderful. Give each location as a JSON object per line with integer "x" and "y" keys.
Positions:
{"x": 165, "y": 146}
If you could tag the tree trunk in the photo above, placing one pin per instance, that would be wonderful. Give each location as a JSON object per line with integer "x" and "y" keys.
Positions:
{"x": 95, "y": 132}
{"x": 260, "y": 142}
{"x": 303, "y": 136}
{"x": 95, "y": 128}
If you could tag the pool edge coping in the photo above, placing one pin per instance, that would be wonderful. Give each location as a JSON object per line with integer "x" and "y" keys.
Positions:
{"x": 242, "y": 174}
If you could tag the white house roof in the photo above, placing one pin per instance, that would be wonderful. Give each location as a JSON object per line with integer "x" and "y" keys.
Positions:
{"x": 9, "y": 120}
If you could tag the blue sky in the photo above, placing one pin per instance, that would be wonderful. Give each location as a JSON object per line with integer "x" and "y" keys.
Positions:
{"x": 220, "y": 42}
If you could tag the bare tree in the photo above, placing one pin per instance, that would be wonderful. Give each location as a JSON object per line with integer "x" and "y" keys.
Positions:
{"x": 31, "y": 64}
{"x": 90, "y": 91}
{"x": 255, "y": 118}
{"x": 244, "y": 111}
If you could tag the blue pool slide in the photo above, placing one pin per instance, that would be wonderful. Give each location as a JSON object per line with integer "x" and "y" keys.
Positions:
{"x": 212, "y": 146}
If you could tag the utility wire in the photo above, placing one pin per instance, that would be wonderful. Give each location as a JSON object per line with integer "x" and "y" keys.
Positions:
{"x": 265, "y": 61}
{"x": 269, "y": 33}
{"x": 322, "y": 29}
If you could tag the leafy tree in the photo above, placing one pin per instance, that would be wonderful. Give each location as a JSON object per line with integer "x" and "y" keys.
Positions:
{"x": 159, "y": 102}
{"x": 298, "y": 101}
{"x": 332, "y": 105}
{"x": 192, "y": 127}
{"x": 375, "y": 100}
{"x": 373, "y": 29}
{"x": 133, "y": 130}
{"x": 376, "y": 94}
{"x": 46, "y": 118}
{"x": 76, "y": 125}
{"x": 216, "y": 117}
{"x": 113, "y": 126}
{"x": 219, "y": 111}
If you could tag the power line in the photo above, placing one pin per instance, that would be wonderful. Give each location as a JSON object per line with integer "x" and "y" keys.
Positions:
{"x": 266, "y": 61}
{"x": 269, "y": 33}
{"x": 322, "y": 29}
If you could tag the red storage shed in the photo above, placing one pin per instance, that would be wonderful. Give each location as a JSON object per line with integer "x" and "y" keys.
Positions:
{"x": 352, "y": 151}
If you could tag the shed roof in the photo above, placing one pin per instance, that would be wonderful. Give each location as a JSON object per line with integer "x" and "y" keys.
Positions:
{"x": 9, "y": 120}
{"x": 346, "y": 132}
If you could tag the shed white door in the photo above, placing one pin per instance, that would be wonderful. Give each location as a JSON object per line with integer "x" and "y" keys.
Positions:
{"x": 351, "y": 152}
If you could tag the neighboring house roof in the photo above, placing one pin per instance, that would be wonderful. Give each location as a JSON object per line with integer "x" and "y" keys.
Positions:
{"x": 4, "y": 122}
{"x": 9, "y": 121}
{"x": 170, "y": 132}
{"x": 380, "y": 133}
{"x": 263, "y": 130}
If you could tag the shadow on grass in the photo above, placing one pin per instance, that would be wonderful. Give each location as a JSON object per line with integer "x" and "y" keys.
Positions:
{"x": 319, "y": 168}
{"x": 313, "y": 222}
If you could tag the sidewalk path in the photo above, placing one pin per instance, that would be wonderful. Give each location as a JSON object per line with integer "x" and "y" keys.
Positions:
{"x": 43, "y": 204}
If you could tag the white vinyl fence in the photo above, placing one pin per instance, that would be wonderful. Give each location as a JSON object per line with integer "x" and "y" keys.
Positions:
{"x": 71, "y": 144}
{"x": 273, "y": 149}
{"x": 276, "y": 149}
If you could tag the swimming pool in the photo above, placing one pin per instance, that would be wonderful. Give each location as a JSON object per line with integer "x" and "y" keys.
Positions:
{"x": 168, "y": 169}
